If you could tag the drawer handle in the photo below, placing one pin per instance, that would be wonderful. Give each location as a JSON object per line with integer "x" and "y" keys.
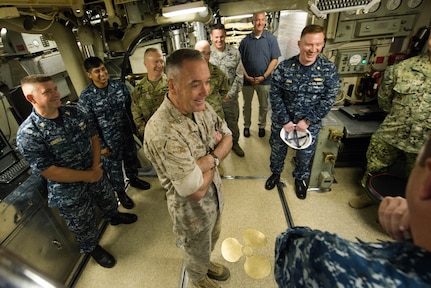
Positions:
{"x": 57, "y": 244}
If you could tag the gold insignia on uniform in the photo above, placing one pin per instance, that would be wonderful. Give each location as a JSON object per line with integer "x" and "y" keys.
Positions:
{"x": 318, "y": 67}
{"x": 56, "y": 141}
{"x": 67, "y": 113}
{"x": 42, "y": 125}
{"x": 289, "y": 81}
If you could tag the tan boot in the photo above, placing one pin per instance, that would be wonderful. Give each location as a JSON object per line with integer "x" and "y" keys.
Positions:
{"x": 361, "y": 201}
{"x": 206, "y": 283}
{"x": 218, "y": 272}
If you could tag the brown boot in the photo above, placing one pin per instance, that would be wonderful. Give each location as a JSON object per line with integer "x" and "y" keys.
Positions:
{"x": 206, "y": 283}
{"x": 361, "y": 201}
{"x": 218, "y": 272}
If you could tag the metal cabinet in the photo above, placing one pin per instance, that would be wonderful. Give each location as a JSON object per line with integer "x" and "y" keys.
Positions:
{"x": 37, "y": 234}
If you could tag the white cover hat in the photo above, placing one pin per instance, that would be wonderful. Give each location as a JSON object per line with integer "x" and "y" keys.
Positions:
{"x": 296, "y": 139}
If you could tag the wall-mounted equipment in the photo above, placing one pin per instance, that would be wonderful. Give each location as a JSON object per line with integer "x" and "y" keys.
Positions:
{"x": 323, "y": 7}
{"x": 352, "y": 62}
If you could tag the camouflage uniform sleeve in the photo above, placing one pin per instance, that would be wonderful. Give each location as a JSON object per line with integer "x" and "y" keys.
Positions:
{"x": 239, "y": 78}
{"x": 332, "y": 85}
{"x": 385, "y": 93}
{"x": 84, "y": 105}
{"x": 280, "y": 114}
{"x": 138, "y": 116}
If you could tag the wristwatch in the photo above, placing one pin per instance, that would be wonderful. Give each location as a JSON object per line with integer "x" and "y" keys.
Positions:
{"x": 216, "y": 160}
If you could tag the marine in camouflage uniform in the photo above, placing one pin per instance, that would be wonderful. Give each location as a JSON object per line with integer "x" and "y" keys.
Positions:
{"x": 146, "y": 98}
{"x": 229, "y": 61}
{"x": 185, "y": 140}
{"x": 311, "y": 258}
{"x": 300, "y": 92}
{"x": 66, "y": 142}
{"x": 405, "y": 94}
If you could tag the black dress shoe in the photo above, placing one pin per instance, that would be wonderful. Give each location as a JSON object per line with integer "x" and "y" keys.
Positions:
{"x": 272, "y": 181}
{"x": 246, "y": 132}
{"x": 261, "y": 132}
{"x": 140, "y": 184}
{"x": 125, "y": 200}
{"x": 301, "y": 187}
{"x": 123, "y": 218}
{"x": 103, "y": 257}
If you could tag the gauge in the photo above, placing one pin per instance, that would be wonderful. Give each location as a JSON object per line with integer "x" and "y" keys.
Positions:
{"x": 355, "y": 59}
{"x": 414, "y": 3}
{"x": 374, "y": 8}
{"x": 393, "y": 4}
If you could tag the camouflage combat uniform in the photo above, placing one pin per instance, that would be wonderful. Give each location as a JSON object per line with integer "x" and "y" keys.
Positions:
{"x": 300, "y": 92}
{"x": 405, "y": 94}
{"x": 146, "y": 98}
{"x": 219, "y": 89}
{"x": 229, "y": 61}
{"x": 108, "y": 109}
{"x": 311, "y": 258}
{"x": 173, "y": 142}
{"x": 66, "y": 142}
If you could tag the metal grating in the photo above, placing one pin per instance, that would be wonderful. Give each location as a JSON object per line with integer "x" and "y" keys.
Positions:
{"x": 323, "y": 7}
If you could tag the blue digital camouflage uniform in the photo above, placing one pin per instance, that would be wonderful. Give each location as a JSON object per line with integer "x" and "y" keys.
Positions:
{"x": 108, "y": 109}
{"x": 219, "y": 89}
{"x": 405, "y": 94}
{"x": 66, "y": 142}
{"x": 146, "y": 98}
{"x": 300, "y": 92}
{"x": 173, "y": 142}
{"x": 311, "y": 258}
{"x": 229, "y": 61}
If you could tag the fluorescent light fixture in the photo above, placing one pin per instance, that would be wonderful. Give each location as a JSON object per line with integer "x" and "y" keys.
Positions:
{"x": 183, "y": 9}
{"x": 238, "y": 17}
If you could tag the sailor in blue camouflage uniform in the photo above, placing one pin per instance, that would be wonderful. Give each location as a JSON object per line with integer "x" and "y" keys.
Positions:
{"x": 303, "y": 90}
{"x": 107, "y": 104}
{"x": 63, "y": 147}
{"x": 312, "y": 258}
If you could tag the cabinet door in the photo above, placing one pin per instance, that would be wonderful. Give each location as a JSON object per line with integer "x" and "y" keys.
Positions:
{"x": 45, "y": 243}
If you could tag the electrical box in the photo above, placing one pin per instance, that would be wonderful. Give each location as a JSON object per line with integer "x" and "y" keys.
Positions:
{"x": 377, "y": 27}
{"x": 328, "y": 143}
{"x": 352, "y": 62}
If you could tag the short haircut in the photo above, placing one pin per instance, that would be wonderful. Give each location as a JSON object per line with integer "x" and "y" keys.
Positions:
{"x": 218, "y": 26}
{"x": 312, "y": 29}
{"x": 255, "y": 14}
{"x": 36, "y": 78}
{"x": 176, "y": 59}
{"x": 152, "y": 49}
{"x": 425, "y": 153}
{"x": 92, "y": 62}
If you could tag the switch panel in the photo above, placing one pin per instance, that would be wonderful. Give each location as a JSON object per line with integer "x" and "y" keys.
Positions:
{"x": 352, "y": 62}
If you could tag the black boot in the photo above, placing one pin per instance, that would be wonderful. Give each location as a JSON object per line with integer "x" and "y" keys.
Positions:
{"x": 103, "y": 257}
{"x": 272, "y": 181}
{"x": 301, "y": 187}
{"x": 140, "y": 184}
{"x": 123, "y": 218}
{"x": 125, "y": 200}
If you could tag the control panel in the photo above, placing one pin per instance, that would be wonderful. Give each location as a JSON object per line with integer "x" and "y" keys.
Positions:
{"x": 352, "y": 62}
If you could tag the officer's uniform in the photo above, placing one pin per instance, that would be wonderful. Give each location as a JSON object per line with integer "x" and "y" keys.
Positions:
{"x": 219, "y": 88}
{"x": 229, "y": 61}
{"x": 108, "y": 109}
{"x": 66, "y": 142}
{"x": 405, "y": 94}
{"x": 311, "y": 258}
{"x": 146, "y": 98}
{"x": 173, "y": 142}
{"x": 300, "y": 92}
